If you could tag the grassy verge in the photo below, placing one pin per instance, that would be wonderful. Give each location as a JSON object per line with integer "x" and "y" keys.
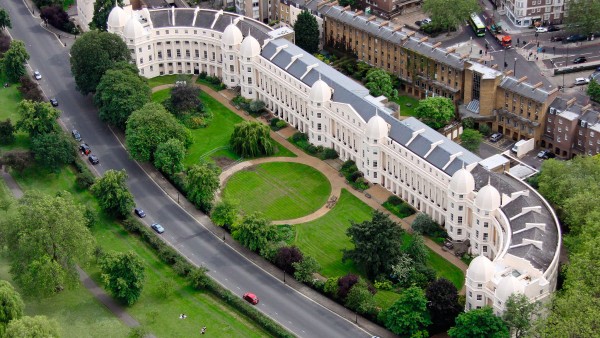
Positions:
{"x": 295, "y": 190}
{"x": 215, "y": 87}
{"x": 407, "y": 105}
{"x": 402, "y": 210}
{"x": 162, "y": 80}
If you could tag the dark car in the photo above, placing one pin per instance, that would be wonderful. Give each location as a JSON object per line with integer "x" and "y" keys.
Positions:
{"x": 158, "y": 228}
{"x": 419, "y": 23}
{"x": 553, "y": 29}
{"x": 557, "y": 38}
{"x": 545, "y": 154}
{"x": 76, "y": 135}
{"x": 93, "y": 159}
{"x": 139, "y": 212}
{"x": 576, "y": 38}
{"x": 85, "y": 149}
{"x": 54, "y": 102}
{"x": 251, "y": 298}
{"x": 580, "y": 59}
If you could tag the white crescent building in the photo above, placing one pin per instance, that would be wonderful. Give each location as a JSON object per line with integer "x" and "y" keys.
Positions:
{"x": 511, "y": 228}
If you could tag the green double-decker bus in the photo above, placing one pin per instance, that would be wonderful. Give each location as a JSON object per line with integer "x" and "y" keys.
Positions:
{"x": 477, "y": 25}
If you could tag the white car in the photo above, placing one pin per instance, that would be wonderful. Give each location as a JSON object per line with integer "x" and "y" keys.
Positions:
{"x": 426, "y": 21}
{"x": 581, "y": 81}
{"x": 541, "y": 29}
{"x": 37, "y": 75}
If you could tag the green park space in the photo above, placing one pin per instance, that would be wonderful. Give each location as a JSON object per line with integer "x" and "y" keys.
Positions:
{"x": 280, "y": 190}
{"x": 407, "y": 105}
{"x": 9, "y": 100}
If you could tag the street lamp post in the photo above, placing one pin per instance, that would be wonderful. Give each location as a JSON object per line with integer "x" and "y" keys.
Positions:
{"x": 471, "y": 45}
{"x": 504, "y": 60}
{"x": 515, "y": 68}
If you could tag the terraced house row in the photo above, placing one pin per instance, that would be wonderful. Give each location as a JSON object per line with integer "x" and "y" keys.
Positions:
{"x": 512, "y": 229}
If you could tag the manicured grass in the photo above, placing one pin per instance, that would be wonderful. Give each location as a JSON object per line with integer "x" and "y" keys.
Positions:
{"x": 153, "y": 310}
{"x": 210, "y": 84}
{"x": 161, "y": 80}
{"x": 324, "y": 238}
{"x": 9, "y": 100}
{"x": 213, "y": 141}
{"x": 404, "y": 109}
{"x": 446, "y": 270}
{"x": 384, "y": 299}
{"x": 294, "y": 190}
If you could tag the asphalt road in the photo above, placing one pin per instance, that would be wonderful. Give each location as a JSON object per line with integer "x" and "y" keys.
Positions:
{"x": 291, "y": 309}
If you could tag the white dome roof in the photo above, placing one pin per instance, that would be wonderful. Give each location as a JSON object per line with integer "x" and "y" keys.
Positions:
{"x": 250, "y": 47}
{"x": 320, "y": 91}
{"x": 462, "y": 182}
{"x": 376, "y": 128}
{"x": 488, "y": 198}
{"x": 507, "y": 286}
{"x": 117, "y": 17}
{"x": 232, "y": 35}
{"x": 133, "y": 29}
{"x": 481, "y": 269}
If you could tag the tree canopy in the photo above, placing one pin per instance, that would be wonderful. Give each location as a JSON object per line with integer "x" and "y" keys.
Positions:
{"x": 593, "y": 90}
{"x": 13, "y": 60}
{"x": 307, "y": 32}
{"x": 37, "y": 117}
{"x": 470, "y": 139}
{"x": 120, "y": 92}
{"x": 254, "y": 231}
{"x": 92, "y": 55}
{"x": 479, "y": 323}
{"x": 252, "y": 139}
{"x": 102, "y": 9}
{"x": 377, "y": 244}
{"x": 12, "y": 305}
{"x": 447, "y": 19}
{"x": 519, "y": 314}
{"x": 408, "y": 315}
{"x": 379, "y": 82}
{"x": 169, "y": 156}
{"x": 4, "y": 19}
{"x": 201, "y": 184}
{"x": 225, "y": 213}
{"x": 112, "y": 193}
{"x": 123, "y": 273}
{"x": 436, "y": 111}
{"x": 184, "y": 99}
{"x": 150, "y": 126}
{"x": 442, "y": 304}
{"x": 33, "y": 327}
{"x": 581, "y": 16}
{"x": 53, "y": 150}
{"x": 44, "y": 249}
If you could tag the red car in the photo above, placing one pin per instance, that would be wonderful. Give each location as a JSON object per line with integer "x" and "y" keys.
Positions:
{"x": 251, "y": 298}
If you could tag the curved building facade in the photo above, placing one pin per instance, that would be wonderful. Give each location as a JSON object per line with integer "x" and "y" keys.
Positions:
{"x": 511, "y": 227}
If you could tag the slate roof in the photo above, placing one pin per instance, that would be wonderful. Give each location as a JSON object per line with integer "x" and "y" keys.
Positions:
{"x": 525, "y": 89}
{"x": 548, "y": 236}
{"x": 438, "y": 54}
{"x": 346, "y": 90}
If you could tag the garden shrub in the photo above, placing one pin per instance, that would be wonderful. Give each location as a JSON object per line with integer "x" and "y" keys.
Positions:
{"x": 198, "y": 278}
{"x": 274, "y": 121}
{"x": 281, "y": 124}
{"x": 167, "y": 254}
{"x": 7, "y": 132}
{"x": 287, "y": 256}
{"x": 394, "y": 200}
{"x": 311, "y": 149}
{"x": 383, "y": 285}
{"x": 345, "y": 283}
{"x": 331, "y": 287}
{"x": 298, "y": 136}
{"x": 329, "y": 154}
{"x": 85, "y": 179}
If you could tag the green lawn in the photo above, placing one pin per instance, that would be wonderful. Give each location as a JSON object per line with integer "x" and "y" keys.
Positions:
{"x": 158, "y": 314}
{"x": 404, "y": 109}
{"x": 294, "y": 190}
{"x": 324, "y": 238}
{"x": 9, "y": 100}
{"x": 162, "y": 80}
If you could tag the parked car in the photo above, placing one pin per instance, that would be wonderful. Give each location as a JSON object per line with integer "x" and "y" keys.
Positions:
{"x": 496, "y": 137}
{"x": 553, "y": 29}
{"x": 251, "y": 298}
{"x": 557, "y": 38}
{"x": 576, "y": 38}
{"x": 85, "y": 149}
{"x": 419, "y": 23}
{"x": 93, "y": 159}
{"x": 581, "y": 81}
{"x": 76, "y": 135}
{"x": 580, "y": 59}
{"x": 426, "y": 21}
{"x": 545, "y": 154}
{"x": 54, "y": 102}
{"x": 541, "y": 29}
{"x": 158, "y": 228}
{"x": 139, "y": 212}
{"x": 37, "y": 75}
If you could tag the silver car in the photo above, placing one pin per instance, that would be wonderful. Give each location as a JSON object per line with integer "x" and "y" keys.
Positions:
{"x": 37, "y": 75}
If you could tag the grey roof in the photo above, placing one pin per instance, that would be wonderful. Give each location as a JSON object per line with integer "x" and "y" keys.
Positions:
{"x": 184, "y": 17}
{"x": 591, "y": 116}
{"x": 346, "y": 90}
{"x": 549, "y": 236}
{"x": 438, "y": 54}
{"x": 525, "y": 89}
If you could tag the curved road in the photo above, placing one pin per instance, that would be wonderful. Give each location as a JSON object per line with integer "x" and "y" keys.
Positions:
{"x": 294, "y": 311}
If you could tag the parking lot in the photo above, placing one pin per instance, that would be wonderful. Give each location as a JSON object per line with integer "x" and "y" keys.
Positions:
{"x": 488, "y": 148}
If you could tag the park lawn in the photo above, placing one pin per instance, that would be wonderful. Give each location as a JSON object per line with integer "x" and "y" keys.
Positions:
{"x": 153, "y": 311}
{"x": 162, "y": 80}
{"x": 294, "y": 190}
{"x": 384, "y": 298}
{"x": 325, "y": 237}
{"x": 9, "y": 100}
{"x": 404, "y": 109}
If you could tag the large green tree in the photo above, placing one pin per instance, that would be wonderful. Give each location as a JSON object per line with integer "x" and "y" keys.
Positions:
{"x": 169, "y": 156}
{"x": 444, "y": 18}
{"x": 307, "y": 32}
{"x": 360, "y": 298}
{"x": 479, "y": 323}
{"x": 11, "y": 305}
{"x": 581, "y": 16}
{"x": 417, "y": 250}
{"x": 442, "y": 304}
{"x": 92, "y": 55}
{"x": 593, "y": 90}
{"x": 201, "y": 184}
{"x": 13, "y": 60}
{"x": 519, "y": 314}
{"x": 306, "y": 269}
{"x": 53, "y": 150}
{"x": 436, "y": 111}
{"x": 4, "y": 19}
{"x": 379, "y": 82}
{"x": 252, "y": 139}
{"x": 470, "y": 139}
{"x": 225, "y": 213}
{"x": 184, "y": 99}
{"x": 33, "y": 327}
{"x": 124, "y": 275}
{"x": 37, "y": 117}
{"x": 408, "y": 315}
{"x": 7, "y": 132}
{"x": 377, "y": 244}
{"x": 120, "y": 92}
{"x": 102, "y": 9}
{"x": 150, "y": 126}
{"x": 112, "y": 193}
{"x": 254, "y": 231}
{"x": 45, "y": 240}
